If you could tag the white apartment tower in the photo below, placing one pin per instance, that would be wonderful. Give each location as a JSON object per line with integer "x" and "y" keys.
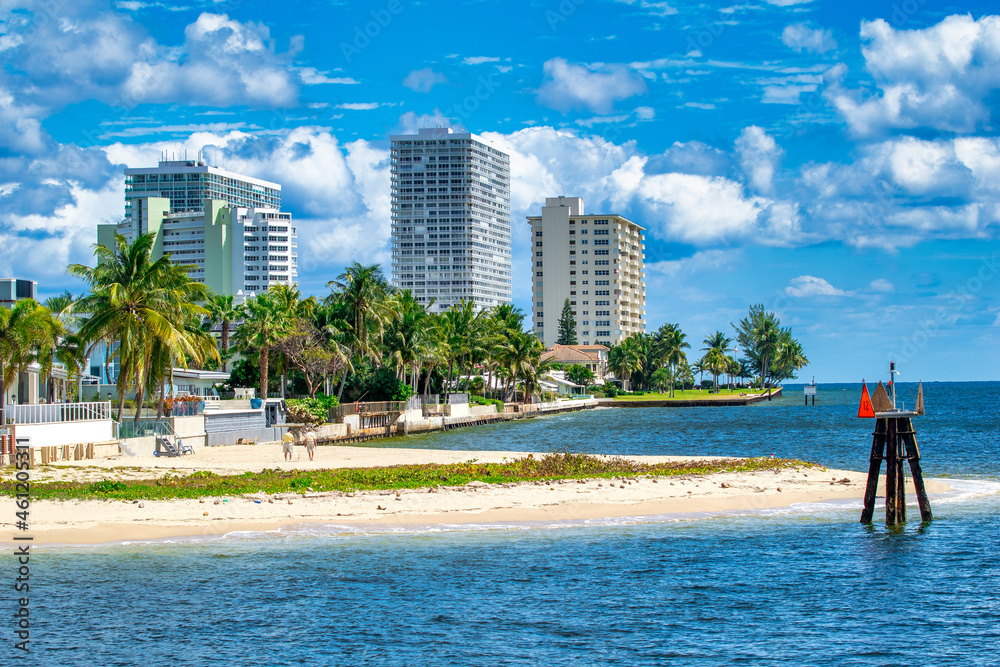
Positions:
{"x": 187, "y": 183}
{"x": 229, "y": 226}
{"x": 450, "y": 219}
{"x": 595, "y": 261}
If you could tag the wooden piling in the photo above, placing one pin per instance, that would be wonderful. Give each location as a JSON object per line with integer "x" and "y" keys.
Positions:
{"x": 891, "y": 470}
{"x": 909, "y": 438}
{"x": 874, "y": 468}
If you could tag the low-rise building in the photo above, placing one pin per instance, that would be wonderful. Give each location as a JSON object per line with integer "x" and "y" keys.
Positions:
{"x": 592, "y": 357}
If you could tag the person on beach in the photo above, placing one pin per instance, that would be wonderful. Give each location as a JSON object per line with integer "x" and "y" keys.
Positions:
{"x": 287, "y": 443}
{"x": 310, "y": 444}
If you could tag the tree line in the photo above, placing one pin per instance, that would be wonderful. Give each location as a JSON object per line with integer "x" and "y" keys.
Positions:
{"x": 768, "y": 354}
{"x": 363, "y": 337}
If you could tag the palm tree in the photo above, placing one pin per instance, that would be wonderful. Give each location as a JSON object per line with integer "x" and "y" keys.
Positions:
{"x": 714, "y": 362}
{"x": 789, "y": 358}
{"x": 623, "y": 360}
{"x": 140, "y": 303}
{"x": 365, "y": 293}
{"x": 406, "y": 336}
{"x": 222, "y": 313}
{"x": 671, "y": 344}
{"x": 716, "y": 347}
{"x": 538, "y": 368}
{"x": 26, "y": 330}
{"x": 462, "y": 325}
{"x": 265, "y": 324}
{"x": 521, "y": 357}
{"x": 502, "y": 322}
{"x": 331, "y": 326}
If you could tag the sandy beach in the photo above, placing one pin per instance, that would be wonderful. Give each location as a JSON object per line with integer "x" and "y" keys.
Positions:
{"x": 98, "y": 521}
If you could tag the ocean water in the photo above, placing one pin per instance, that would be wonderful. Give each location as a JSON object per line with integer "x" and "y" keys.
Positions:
{"x": 806, "y": 585}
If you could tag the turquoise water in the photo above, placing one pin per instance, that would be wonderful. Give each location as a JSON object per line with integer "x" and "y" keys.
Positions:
{"x": 805, "y": 586}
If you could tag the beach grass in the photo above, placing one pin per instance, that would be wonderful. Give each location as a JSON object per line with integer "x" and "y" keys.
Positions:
{"x": 550, "y": 467}
{"x": 688, "y": 395}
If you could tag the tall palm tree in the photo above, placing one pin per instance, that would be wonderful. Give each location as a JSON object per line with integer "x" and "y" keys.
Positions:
{"x": 138, "y": 302}
{"x": 715, "y": 362}
{"x": 623, "y": 360}
{"x": 331, "y": 327}
{"x": 222, "y": 313}
{"x": 789, "y": 358}
{"x": 671, "y": 344}
{"x": 406, "y": 336}
{"x": 266, "y": 322}
{"x": 716, "y": 346}
{"x": 462, "y": 325}
{"x": 365, "y": 292}
{"x": 521, "y": 356}
{"x": 27, "y": 331}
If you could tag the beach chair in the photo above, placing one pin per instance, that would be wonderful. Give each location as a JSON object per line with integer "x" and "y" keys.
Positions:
{"x": 184, "y": 449}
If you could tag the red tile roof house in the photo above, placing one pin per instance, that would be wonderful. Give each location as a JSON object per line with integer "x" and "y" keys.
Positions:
{"x": 594, "y": 357}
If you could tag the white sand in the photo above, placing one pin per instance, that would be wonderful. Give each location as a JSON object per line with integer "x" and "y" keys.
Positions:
{"x": 95, "y": 521}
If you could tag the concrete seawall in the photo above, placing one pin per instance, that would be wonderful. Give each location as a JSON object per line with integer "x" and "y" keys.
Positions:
{"x": 694, "y": 403}
{"x": 412, "y": 423}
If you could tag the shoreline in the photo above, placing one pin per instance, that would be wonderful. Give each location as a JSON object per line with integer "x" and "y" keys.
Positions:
{"x": 94, "y": 522}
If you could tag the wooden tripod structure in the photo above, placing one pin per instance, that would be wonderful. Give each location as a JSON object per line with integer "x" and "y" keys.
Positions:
{"x": 893, "y": 441}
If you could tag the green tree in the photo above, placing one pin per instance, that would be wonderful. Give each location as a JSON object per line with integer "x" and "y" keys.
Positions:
{"x": 767, "y": 347}
{"x": 567, "y": 326}
{"x": 26, "y": 329}
{"x": 580, "y": 374}
{"x": 624, "y": 360}
{"x": 671, "y": 343}
{"x": 715, "y": 359}
{"x": 365, "y": 292}
{"x": 266, "y": 323}
{"x": 144, "y": 305}
{"x": 222, "y": 313}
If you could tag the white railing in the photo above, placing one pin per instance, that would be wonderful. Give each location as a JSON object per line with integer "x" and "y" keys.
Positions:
{"x": 54, "y": 413}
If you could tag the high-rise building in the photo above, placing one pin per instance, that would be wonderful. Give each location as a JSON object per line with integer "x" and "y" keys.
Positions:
{"x": 229, "y": 226}
{"x": 450, "y": 219}
{"x": 13, "y": 290}
{"x": 187, "y": 183}
{"x": 233, "y": 248}
{"x": 594, "y": 261}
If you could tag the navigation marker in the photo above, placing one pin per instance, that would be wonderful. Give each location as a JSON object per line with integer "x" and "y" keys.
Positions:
{"x": 880, "y": 400}
{"x": 865, "y": 409}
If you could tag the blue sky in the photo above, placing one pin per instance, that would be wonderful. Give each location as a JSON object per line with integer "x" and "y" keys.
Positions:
{"x": 838, "y": 162}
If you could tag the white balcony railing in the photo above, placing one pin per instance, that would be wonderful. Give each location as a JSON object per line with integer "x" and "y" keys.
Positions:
{"x": 54, "y": 413}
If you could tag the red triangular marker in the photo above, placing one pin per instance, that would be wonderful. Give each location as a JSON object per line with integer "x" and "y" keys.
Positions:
{"x": 865, "y": 409}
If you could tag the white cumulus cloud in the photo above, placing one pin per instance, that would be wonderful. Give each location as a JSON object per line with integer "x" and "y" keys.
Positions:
{"x": 806, "y": 286}
{"x": 759, "y": 155}
{"x": 581, "y": 86}
{"x": 801, "y": 37}
{"x": 938, "y": 77}
{"x": 422, "y": 80}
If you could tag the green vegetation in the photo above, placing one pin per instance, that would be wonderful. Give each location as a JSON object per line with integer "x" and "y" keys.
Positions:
{"x": 567, "y": 326}
{"x": 310, "y": 410}
{"x": 480, "y": 400}
{"x": 548, "y": 467}
{"x": 580, "y": 374}
{"x": 150, "y": 308}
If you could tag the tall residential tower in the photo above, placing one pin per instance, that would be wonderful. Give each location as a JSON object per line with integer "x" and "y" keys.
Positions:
{"x": 450, "y": 219}
{"x": 595, "y": 261}
{"x": 229, "y": 226}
